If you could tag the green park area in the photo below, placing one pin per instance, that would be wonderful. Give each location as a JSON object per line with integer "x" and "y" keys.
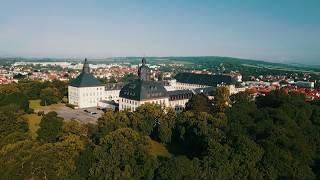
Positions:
{"x": 34, "y": 119}
{"x": 209, "y": 139}
{"x": 35, "y": 105}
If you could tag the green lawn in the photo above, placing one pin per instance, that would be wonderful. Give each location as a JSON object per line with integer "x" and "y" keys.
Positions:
{"x": 158, "y": 149}
{"x": 33, "y": 122}
{"x": 33, "y": 119}
{"x": 34, "y": 104}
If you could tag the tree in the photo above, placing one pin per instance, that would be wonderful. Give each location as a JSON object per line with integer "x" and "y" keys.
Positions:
{"x": 123, "y": 154}
{"x": 10, "y": 124}
{"x": 199, "y": 103}
{"x": 222, "y": 99}
{"x": 74, "y": 127}
{"x": 273, "y": 99}
{"x": 31, "y": 160}
{"x": 9, "y": 88}
{"x": 85, "y": 161}
{"x": 61, "y": 86}
{"x": 240, "y": 98}
{"x": 49, "y": 96}
{"x": 14, "y": 102}
{"x": 50, "y": 128}
{"x": 146, "y": 118}
{"x": 192, "y": 132}
{"x": 163, "y": 129}
{"x": 177, "y": 168}
{"x": 31, "y": 89}
{"x": 111, "y": 121}
{"x": 128, "y": 77}
{"x": 281, "y": 127}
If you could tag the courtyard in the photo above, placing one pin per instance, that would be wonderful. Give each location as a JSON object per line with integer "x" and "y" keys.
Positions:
{"x": 86, "y": 115}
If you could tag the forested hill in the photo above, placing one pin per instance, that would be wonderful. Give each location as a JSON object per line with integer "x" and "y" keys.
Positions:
{"x": 276, "y": 137}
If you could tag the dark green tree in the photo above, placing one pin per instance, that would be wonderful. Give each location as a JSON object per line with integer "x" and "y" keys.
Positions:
{"x": 49, "y": 96}
{"x": 222, "y": 99}
{"x": 123, "y": 154}
{"x": 199, "y": 103}
{"x": 164, "y": 127}
{"x": 50, "y": 128}
{"x": 240, "y": 98}
{"x": 177, "y": 168}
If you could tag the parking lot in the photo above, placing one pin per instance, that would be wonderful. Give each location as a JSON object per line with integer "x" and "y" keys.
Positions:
{"x": 77, "y": 114}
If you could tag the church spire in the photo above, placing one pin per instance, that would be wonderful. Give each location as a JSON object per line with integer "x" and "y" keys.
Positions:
{"x": 144, "y": 61}
{"x": 144, "y": 71}
{"x": 86, "y": 68}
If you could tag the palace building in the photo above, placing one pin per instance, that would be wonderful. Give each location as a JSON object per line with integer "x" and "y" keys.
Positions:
{"x": 142, "y": 90}
{"x": 86, "y": 91}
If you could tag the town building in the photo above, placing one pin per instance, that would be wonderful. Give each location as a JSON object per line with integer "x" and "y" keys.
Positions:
{"x": 304, "y": 84}
{"x": 142, "y": 90}
{"x": 85, "y": 91}
{"x": 196, "y": 81}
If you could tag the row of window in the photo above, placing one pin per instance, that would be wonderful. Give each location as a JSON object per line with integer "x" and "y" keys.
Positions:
{"x": 125, "y": 107}
{"x": 129, "y": 101}
{"x": 184, "y": 96}
{"x": 113, "y": 97}
{"x": 95, "y": 100}
{"x": 179, "y": 102}
{"x": 92, "y": 94}
{"x": 179, "y": 108}
{"x": 192, "y": 85}
{"x": 135, "y": 102}
{"x": 158, "y": 102}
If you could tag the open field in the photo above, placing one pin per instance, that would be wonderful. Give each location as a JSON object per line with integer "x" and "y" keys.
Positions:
{"x": 292, "y": 69}
{"x": 34, "y": 104}
{"x": 33, "y": 122}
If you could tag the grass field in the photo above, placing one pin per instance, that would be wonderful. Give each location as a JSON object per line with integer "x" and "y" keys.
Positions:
{"x": 33, "y": 122}
{"x": 33, "y": 119}
{"x": 34, "y": 104}
{"x": 158, "y": 149}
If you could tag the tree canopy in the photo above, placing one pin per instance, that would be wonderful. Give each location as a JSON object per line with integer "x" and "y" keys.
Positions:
{"x": 277, "y": 136}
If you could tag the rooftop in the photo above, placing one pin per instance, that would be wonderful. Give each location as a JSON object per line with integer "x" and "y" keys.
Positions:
{"x": 85, "y": 79}
{"x": 205, "y": 79}
{"x": 143, "y": 90}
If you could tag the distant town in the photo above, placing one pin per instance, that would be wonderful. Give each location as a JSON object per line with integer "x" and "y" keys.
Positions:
{"x": 116, "y": 72}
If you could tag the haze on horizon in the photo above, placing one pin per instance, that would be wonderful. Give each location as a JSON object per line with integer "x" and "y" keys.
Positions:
{"x": 286, "y": 31}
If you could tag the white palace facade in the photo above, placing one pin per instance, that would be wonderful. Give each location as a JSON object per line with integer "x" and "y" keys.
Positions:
{"x": 86, "y": 91}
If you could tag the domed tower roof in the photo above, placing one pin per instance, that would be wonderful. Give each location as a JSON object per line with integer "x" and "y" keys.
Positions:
{"x": 144, "y": 71}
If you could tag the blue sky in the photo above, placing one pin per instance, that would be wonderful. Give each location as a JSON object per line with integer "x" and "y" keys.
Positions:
{"x": 275, "y": 30}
